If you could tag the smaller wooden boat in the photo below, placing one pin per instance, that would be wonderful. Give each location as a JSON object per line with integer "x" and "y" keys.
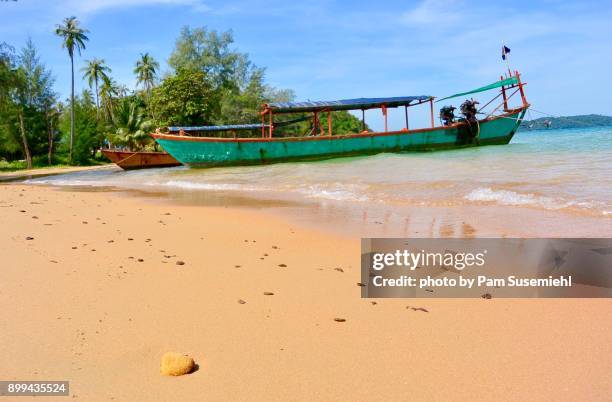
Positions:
{"x": 129, "y": 160}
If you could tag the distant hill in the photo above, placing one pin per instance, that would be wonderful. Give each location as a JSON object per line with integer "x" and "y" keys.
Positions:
{"x": 581, "y": 121}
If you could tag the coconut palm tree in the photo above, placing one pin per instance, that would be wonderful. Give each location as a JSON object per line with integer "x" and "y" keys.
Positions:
{"x": 74, "y": 37}
{"x": 108, "y": 93}
{"x": 146, "y": 71}
{"x": 132, "y": 127}
{"x": 93, "y": 72}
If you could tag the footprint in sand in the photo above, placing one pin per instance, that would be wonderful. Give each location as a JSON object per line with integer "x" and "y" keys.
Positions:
{"x": 418, "y": 309}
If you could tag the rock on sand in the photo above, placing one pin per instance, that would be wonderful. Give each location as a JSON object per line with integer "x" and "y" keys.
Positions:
{"x": 176, "y": 364}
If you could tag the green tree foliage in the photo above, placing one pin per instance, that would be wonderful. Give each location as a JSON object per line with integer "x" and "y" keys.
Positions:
{"x": 88, "y": 135}
{"x": 238, "y": 83}
{"x": 95, "y": 71}
{"x": 10, "y": 146}
{"x": 26, "y": 104}
{"x": 146, "y": 72}
{"x": 210, "y": 82}
{"x": 342, "y": 123}
{"x": 581, "y": 121}
{"x": 209, "y": 52}
{"x": 109, "y": 93}
{"x": 185, "y": 98}
{"x": 132, "y": 127}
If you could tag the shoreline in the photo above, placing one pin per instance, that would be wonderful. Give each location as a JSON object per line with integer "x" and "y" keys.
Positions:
{"x": 357, "y": 219}
{"x": 102, "y": 318}
{"x": 48, "y": 171}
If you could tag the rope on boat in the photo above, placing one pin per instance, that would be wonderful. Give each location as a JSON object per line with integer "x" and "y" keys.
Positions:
{"x": 560, "y": 117}
{"x": 501, "y": 117}
{"x": 475, "y": 137}
{"x": 124, "y": 159}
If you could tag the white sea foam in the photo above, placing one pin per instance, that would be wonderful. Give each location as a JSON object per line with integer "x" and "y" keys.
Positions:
{"x": 507, "y": 197}
{"x": 190, "y": 185}
{"x": 61, "y": 182}
{"x": 333, "y": 192}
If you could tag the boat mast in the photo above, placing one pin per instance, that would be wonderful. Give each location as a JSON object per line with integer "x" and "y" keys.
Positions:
{"x": 362, "y": 120}
{"x": 431, "y": 109}
{"x": 520, "y": 85}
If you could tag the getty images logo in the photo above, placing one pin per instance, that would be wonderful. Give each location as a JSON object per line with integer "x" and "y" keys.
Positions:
{"x": 411, "y": 260}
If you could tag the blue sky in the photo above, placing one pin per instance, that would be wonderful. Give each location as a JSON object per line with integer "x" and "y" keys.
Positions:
{"x": 343, "y": 49}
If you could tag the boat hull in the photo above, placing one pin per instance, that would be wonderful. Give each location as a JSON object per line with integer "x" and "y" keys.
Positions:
{"x": 140, "y": 160}
{"x": 208, "y": 152}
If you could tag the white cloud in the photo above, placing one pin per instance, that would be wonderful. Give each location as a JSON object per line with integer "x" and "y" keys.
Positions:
{"x": 433, "y": 12}
{"x": 92, "y": 7}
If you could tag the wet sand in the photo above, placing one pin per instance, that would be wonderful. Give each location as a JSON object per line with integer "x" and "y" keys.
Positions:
{"x": 92, "y": 291}
{"x": 40, "y": 172}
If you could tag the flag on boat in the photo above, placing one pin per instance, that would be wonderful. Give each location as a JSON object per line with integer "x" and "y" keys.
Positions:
{"x": 505, "y": 51}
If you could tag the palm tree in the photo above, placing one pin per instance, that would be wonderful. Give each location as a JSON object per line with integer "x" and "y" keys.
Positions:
{"x": 93, "y": 72}
{"x": 146, "y": 71}
{"x": 108, "y": 92}
{"x": 73, "y": 38}
{"x": 132, "y": 128}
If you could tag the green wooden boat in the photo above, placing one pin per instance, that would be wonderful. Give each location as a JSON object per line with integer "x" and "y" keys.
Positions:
{"x": 206, "y": 151}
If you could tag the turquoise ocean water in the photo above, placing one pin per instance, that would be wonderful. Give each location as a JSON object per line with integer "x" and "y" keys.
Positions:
{"x": 560, "y": 170}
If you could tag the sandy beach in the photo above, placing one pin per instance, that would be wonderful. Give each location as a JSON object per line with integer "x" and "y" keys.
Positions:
{"x": 96, "y": 286}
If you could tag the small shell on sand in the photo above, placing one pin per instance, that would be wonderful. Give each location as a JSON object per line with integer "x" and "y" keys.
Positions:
{"x": 176, "y": 364}
{"x": 268, "y": 294}
{"x": 339, "y": 319}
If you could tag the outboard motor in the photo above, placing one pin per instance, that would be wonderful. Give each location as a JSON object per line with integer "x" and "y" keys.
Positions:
{"x": 469, "y": 110}
{"x": 447, "y": 115}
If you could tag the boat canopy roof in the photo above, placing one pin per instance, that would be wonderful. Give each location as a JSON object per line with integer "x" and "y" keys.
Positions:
{"x": 344, "y": 104}
{"x": 502, "y": 83}
{"x": 234, "y": 127}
